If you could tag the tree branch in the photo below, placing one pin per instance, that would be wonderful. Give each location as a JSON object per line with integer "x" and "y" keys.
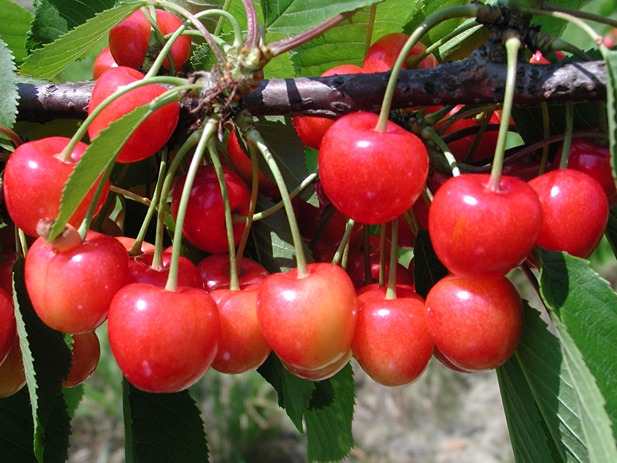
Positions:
{"x": 471, "y": 81}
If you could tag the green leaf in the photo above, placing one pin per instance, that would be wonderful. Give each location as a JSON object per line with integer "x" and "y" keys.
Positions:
{"x": 8, "y": 87}
{"x": 16, "y": 428}
{"x": 587, "y": 307}
{"x": 47, "y": 360}
{"x": 610, "y": 57}
{"x": 328, "y": 427}
{"x": 48, "y": 61}
{"x": 14, "y": 26}
{"x": 101, "y": 153}
{"x": 52, "y": 18}
{"x": 427, "y": 268}
{"x": 163, "y": 427}
{"x": 290, "y": 17}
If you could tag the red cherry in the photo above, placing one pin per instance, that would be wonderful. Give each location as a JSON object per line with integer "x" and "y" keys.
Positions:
{"x": 594, "y": 160}
{"x": 204, "y": 224}
{"x": 128, "y": 243}
{"x": 477, "y": 232}
{"x": 71, "y": 289}
{"x": 214, "y": 272}
{"x": 129, "y": 40}
{"x": 475, "y": 323}
{"x": 309, "y": 322}
{"x": 370, "y": 176}
{"x": 142, "y": 271}
{"x": 574, "y": 211}
{"x": 7, "y": 260}
{"x": 382, "y": 55}
{"x": 34, "y": 178}
{"x": 242, "y": 346}
{"x": 8, "y": 327}
{"x": 152, "y": 134}
{"x": 103, "y": 61}
{"x": 391, "y": 340}
{"x": 85, "y": 358}
{"x": 12, "y": 373}
{"x": 163, "y": 341}
{"x": 311, "y": 129}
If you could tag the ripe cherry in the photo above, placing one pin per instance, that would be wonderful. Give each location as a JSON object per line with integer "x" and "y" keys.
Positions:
{"x": 574, "y": 211}
{"x": 382, "y": 55}
{"x": 214, "y": 271}
{"x": 34, "y": 178}
{"x": 86, "y": 352}
{"x": 204, "y": 224}
{"x": 242, "y": 346}
{"x": 475, "y": 323}
{"x": 152, "y": 134}
{"x": 142, "y": 271}
{"x": 71, "y": 289}
{"x": 309, "y": 321}
{"x": 243, "y": 165}
{"x": 103, "y": 62}
{"x": 8, "y": 327}
{"x": 163, "y": 341}
{"x": 478, "y": 232}
{"x": 391, "y": 340}
{"x": 371, "y": 176}
{"x": 12, "y": 373}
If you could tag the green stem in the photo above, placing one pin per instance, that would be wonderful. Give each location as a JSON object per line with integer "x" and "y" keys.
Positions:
{"x": 513, "y": 45}
{"x": 293, "y": 193}
{"x": 219, "y": 23}
{"x": 391, "y": 289}
{"x": 562, "y": 45}
{"x": 85, "y": 224}
{"x": 583, "y": 15}
{"x": 252, "y": 202}
{"x": 567, "y": 141}
{"x": 11, "y": 135}
{"x": 343, "y": 245}
{"x": 436, "y": 18}
{"x": 415, "y": 60}
{"x": 371, "y": 26}
{"x": 382, "y": 255}
{"x": 238, "y": 39}
{"x": 546, "y": 132}
{"x": 428, "y": 133}
{"x": 209, "y": 130}
{"x": 574, "y": 18}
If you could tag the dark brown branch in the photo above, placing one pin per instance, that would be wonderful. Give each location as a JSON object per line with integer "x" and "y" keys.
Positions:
{"x": 470, "y": 81}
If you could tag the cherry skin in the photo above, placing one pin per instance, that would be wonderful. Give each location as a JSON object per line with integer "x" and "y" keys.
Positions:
{"x": 129, "y": 40}
{"x": 475, "y": 323}
{"x": 103, "y": 61}
{"x": 477, "y": 232}
{"x": 8, "y": 327}
{"x": 382, "y": 55}
{"x": 163, "y": 341}
{"x": 84, "y": 359}
{"x": 214, "y": 272}
{"x": 309, "y": 322}
{"x": 593, "y": 159}
{"x": 71, "y": 289}
{"x": 391, "y": 341}
{"x": 311, "y": 129}
{"x": 575, "y": 211}
{"x": 34, "y": 178}
{"x": 12, "y": 373}
{"x": 142, "y": 271}
{"x": 242, "y": 346}
{"x": 204, "y": 223}
{"x": 370, "y": 176}
{"x": 152, "y": 134}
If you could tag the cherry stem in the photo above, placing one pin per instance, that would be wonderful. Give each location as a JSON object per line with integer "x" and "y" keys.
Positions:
{"x": 11, "y": 135}
{"x": 252, "y": 26}
{"x": 391, "y": 289}
{"x": 366, "y": 261}
{"x": 428, "y": 133}
{"x": 219, "y": 23}
{"x": 415, "y": 60}
{"x": 513, "y": 45}
{"x": 370, "y": 28}
{"x": 344, "y": 244}
{"x": 252, "y": 201}
{"x": 546, "y": 132}
{"x": 224, "y": 14}
{"x": 255, "y": 137}
{"x": 436, "y": 18}
{"x": 382, "y": 255}
{"x": 567, "y": 140}
{"x": 166, "y": 50}
{"x": 85, "y": 224}
{"x": 582, "y": 14}
{"x": 562, "y": 45}
{"x": 208, "y": 131}
{"x": 234, "y": 285}
{"x": 574, "y": 17}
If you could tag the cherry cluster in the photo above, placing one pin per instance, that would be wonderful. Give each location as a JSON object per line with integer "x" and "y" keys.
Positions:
{"x": 229, "y": 312}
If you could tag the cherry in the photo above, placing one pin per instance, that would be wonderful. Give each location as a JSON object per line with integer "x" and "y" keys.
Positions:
{"x": 204, "y": 224}
{"x": 214, "y": 272}
{"x": 163, "y": 341}
{"x": 12, "y": 373}
{"x": 391, "y": 340}
{"x": 382, "y": 55}
{"x": 71, "y": 289}
{"x": 309, "y": 321}
{"x": 128, "y": 243}
{"x": 8, "y": 327}
{"x": 574, "y": 211}
{"x": 129, "y": 40}
{"x": 103, "y": 61}
{"x": 142, "y": 271}
{"x": 539, "y": 58}
{"x": 152, "y": 134}
{"x": 593, "y": 159}
{"x": 242, "y": 346}
{"x": 7, "y": 260}
{"x": 371, "y": 176}
{"x": 475, "y": 323}
{"x": 478, "y": 232}
{"x": 34, "y": 178}
{"x": 85, "y": 357}
{"x": 311, "y": 129}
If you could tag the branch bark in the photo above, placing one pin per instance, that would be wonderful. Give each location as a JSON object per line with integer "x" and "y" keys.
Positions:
{"x": 471, "y": 81}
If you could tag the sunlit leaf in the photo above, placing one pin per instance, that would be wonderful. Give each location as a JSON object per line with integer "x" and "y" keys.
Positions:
{"x": 8, "y": 87}
{"x": 14, "y": 26}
